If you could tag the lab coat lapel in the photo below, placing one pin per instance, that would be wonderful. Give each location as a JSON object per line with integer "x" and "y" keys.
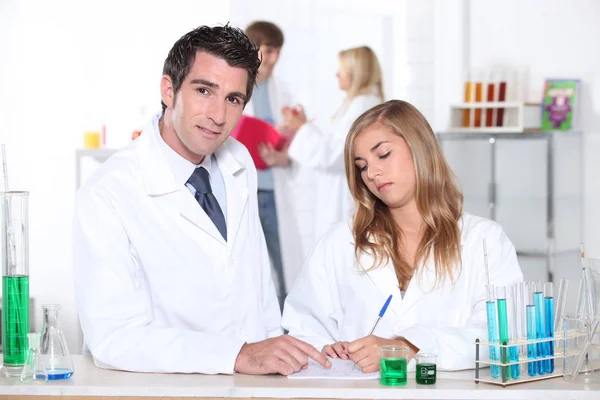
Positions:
{"x": 385, "y": 280}
{"x": 160, "y": 183}
{"x": 194, "y": 213}
{"x": 236, "y": 191}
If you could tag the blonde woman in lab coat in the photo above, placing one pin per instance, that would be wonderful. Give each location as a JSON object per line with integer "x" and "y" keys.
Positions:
{"x": 408, "y": 238}
{"x": 320, "y": 147}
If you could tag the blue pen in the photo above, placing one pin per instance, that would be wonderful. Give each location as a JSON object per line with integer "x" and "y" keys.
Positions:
{"x": 385, "y": 306}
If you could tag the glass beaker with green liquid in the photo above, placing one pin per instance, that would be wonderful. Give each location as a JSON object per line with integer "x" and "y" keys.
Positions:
{"x": 426, "y": 369}
{"x": 393, "y": 365}
{"x": 15, "y": 280}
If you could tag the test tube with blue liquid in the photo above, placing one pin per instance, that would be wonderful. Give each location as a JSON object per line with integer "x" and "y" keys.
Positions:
{"x": 531, "y": 330}
{"x": 513, "y": 330}
{"x": 540, "y": 326}
{"x": 549, "y": 319}
{"x": 503, "y": 326}
{"x": 492, "y": 321}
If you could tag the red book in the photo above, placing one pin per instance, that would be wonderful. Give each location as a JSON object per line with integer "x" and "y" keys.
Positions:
{"x": 252, "y": 131}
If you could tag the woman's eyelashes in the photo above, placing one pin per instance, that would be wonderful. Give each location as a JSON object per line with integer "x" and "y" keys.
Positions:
{"x": 381, "y": 157}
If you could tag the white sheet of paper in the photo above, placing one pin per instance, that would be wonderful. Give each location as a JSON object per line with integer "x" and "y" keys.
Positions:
{"x": 340, "y": 369}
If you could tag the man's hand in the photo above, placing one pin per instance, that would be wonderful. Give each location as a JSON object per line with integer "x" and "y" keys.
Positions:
{"x": 279, "y": 355}
{"x": 365, "y": 352}
{"x": 337, "y": 350}
{"x": 272, "y": 157}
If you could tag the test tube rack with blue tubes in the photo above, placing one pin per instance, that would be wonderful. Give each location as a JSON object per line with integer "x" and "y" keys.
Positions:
{"x": 522, "y": 343}
{"x": 508, "y": 367}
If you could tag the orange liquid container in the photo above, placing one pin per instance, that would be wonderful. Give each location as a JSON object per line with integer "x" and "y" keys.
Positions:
{"x": 501, "y": 97}
{"x": 91, "y": 140}
{"x": 489, "y": 112}
{"x": 478, "y": 99}
{"x": 468, "y": 99}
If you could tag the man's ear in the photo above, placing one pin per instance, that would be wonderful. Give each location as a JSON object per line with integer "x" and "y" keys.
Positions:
{"x": 167, "y": 93}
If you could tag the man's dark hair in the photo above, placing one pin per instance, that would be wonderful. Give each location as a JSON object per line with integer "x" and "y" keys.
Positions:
{"x": 267, "y": 33}
{"x": 225, "y": 42}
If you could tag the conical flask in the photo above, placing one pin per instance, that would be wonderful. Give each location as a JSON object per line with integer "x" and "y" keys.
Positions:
{"x": 53, "y": 348}
{"x": 34, "y": 368}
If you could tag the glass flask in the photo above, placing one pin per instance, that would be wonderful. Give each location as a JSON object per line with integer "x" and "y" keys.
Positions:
{"x": 34, "y": 368}
{"x": 53, "y": 348}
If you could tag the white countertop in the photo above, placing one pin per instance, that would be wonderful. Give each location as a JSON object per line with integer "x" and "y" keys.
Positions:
{"x": 88, "y": 380}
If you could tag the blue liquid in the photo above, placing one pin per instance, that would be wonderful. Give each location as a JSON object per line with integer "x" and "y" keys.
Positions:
{"x": 59, "y": 373}
{"x": 493, "y": 337}
{"x": 503, "y": 329}
{"x": 540, "y": 326}
{"x": 531, "y": 335}
{"x": 549, "y": 310}
{"x": 515, "y": 370}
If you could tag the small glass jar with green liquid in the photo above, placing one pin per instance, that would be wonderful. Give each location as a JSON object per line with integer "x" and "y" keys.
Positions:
{"x": 393, "y": 365}
{"x": 426, "y": 370}
{"x": 14, "y": 217}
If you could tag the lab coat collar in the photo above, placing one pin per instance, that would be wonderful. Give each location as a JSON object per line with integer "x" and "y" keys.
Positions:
{"x": 235, "y": 188}
{"x": 159, "y": 180}
{"x": 157, "y": 175}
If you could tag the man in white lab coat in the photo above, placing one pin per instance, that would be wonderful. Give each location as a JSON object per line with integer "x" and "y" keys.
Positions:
{"x": 170, "y": 263}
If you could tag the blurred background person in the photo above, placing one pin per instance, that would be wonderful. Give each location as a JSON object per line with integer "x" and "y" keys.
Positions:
{"x": 320, "y": 146}
{"x": 269, "y": 97}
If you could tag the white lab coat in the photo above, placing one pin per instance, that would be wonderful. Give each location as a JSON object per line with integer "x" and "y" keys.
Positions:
{"x": 293, "y": 199}
{"x": 334, "y": 299}
{"x": 157, "y": 287}
{"x": 321, "y": 148}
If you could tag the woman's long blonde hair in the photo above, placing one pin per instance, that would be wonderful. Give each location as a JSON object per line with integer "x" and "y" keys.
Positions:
{"x": 439, "y": 200}
{"x": 365, "y": 72}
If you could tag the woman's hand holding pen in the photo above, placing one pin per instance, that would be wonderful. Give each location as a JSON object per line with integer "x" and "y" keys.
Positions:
{"x": 365, "y": 352}
{"x": 337, "y": 350}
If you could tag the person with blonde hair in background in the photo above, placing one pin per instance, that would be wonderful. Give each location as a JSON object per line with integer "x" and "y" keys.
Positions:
{"x": 321, "y": 146}
{"x": 408, "y": 238}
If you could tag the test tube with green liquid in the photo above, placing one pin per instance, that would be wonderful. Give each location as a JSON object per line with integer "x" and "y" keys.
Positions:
{"x": 503, "y": 326}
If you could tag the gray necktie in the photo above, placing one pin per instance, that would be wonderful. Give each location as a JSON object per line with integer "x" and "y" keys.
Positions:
{"x": 207, "y": 200}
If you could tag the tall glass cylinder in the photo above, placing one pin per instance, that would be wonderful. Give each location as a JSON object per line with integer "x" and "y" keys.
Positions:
{"x": 15, "y": 280}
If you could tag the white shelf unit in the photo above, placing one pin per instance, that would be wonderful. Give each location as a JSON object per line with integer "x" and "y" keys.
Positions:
{"x": 99, "y": 155}
{"x": 555, "y": 203}
{"x": 514, "y": 120}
